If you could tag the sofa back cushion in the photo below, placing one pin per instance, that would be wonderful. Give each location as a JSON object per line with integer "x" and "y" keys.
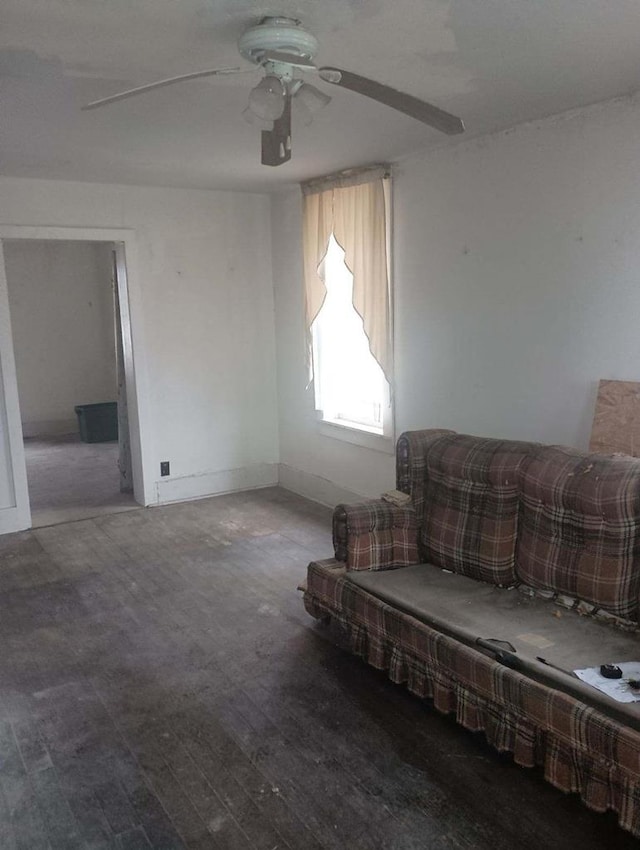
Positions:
{"x": 580, "y": 527}
{"x": 411, "y": 454}
{"x": 470, "y": 510}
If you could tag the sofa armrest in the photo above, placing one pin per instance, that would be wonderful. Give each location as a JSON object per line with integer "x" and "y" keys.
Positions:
{"x": 375, "y": 535}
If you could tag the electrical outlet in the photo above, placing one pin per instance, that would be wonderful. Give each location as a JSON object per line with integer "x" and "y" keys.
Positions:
{"x": 164, "y": 468}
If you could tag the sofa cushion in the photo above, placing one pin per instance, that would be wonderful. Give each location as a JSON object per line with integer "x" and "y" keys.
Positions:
{"x": 468, "y": 609}
{"x": 473, "y": 609}
{"x": 579, "y": 527}
{"x": 411, "y": 450}
{"x": 471, "y": 506}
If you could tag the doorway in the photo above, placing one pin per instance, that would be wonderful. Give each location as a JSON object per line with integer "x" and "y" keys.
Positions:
{"x": 72, "y": 363}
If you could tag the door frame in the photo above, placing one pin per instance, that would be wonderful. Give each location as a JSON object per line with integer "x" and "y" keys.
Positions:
{"x": 16, "y": 516}
{"x": 138, "y": 401}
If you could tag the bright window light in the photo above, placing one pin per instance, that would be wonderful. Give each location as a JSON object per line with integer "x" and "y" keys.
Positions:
{"x": 350, "y": 387}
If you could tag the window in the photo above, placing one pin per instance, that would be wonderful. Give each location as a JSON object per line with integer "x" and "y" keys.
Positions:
{"x": 350, "y": 387}
{"x": 348, "y": 305}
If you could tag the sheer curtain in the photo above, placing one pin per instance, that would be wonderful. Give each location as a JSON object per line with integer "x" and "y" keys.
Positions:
{"x": 353, "y": 208}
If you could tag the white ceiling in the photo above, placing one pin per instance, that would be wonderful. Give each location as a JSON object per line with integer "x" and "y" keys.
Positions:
{"x": 495, "y": 63}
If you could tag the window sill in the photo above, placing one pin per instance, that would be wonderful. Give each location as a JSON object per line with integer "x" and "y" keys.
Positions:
{"x": 356, "y": 436}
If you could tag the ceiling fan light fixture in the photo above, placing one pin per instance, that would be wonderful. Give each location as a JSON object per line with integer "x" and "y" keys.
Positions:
{"x": 267, "y": 99}
{"x": 251, "y": 118}
{"x": 310, "y": 100}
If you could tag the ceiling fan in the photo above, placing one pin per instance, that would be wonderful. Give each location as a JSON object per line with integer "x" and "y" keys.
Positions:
{"x": 285, "y": 51}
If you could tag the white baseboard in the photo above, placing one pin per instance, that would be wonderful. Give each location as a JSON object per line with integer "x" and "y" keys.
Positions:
{"x": 50, "y": 428}
{"x": 315, "y": 487}
{"x": 182, "y": 489}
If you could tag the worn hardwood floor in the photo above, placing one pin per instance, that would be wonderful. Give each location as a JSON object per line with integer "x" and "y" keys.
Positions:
{"x": 71, "y": 480}
{"x": 161, "y": 686}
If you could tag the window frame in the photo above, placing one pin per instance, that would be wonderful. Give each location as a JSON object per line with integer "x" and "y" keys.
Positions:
{"x": 357, "y": 433}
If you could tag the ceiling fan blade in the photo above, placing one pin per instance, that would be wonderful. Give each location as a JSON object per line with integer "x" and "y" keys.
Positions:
{"x": 160, "y": 84}
{"x": 288, "y": 59}
{"x": 276, "y": 143}
{"x": 419, "y": 109}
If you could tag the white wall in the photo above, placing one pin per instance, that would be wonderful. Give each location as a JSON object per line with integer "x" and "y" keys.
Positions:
{"x": 62, "y": 317}
{"x": 204, "y": 323}
{"x": 517, "y": 287}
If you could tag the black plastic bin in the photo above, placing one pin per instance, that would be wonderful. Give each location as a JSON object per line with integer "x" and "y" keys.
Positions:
{"x": 98, "y": 423}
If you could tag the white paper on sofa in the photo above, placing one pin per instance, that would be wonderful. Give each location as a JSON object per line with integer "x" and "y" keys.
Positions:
{"x": 618, "y": 689}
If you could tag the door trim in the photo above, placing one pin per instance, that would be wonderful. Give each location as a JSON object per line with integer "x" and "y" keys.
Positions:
{"x": 138, "y": 399}
{"x": 14, "y": 517}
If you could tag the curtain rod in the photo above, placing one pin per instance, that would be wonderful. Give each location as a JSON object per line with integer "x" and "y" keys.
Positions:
{"x": 342, "y": 177}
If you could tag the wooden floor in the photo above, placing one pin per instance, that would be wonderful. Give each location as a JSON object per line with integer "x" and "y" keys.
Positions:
{"x": 161, "y": 686}
{"x": 71, "y": 480}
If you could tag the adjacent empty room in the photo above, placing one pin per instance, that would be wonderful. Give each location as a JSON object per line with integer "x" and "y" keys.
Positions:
{"x": 64, "y": 317}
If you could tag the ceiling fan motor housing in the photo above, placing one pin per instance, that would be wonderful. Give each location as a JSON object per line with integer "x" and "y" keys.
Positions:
{"x": 279, "y": 34}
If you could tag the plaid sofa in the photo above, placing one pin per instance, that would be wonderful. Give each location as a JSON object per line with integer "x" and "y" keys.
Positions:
{"x": 550, "y": 521}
